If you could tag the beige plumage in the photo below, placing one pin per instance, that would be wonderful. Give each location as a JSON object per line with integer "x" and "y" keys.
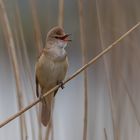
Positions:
{"x": 51, "y": 68}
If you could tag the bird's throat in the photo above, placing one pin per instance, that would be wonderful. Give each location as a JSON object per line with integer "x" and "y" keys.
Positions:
{"x": 62, "y": 44}
{"x": 57, "y": 53}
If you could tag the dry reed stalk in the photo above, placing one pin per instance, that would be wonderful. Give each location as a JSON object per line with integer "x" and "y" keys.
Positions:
{"x": 61, "y": 13}
{"x": 52, "y": 134}
{"x": 27, "y": 66}
{"x": 108, "y": 79}
{"x": 12, "y": 51}
{"x": 129, "y": 97}
{"x": 38, "y": 41}
{"x": 5, "y": 38}
{"x": 118, "y": 134}
{"x": 37, "y": 32}
{"x": 89, "y": 63}
{"x": 128, "y": 93}
{"x": 17, "y": 44}
{"x": 84, "y": 58}
{"x": 105, "y": 134}
{"x": 60, "y": 23}
{"x": 110, "y": 87}
{"x": 19, "y": 34}
{"x": 48, "y": 130}
{"x": 29, "y": 73}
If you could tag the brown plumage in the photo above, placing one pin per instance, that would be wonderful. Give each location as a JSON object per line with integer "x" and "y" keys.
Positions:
{"x": 51, "y": 69}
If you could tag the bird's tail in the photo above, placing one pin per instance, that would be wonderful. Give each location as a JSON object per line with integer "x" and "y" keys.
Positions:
{"x": 46, "y": 109}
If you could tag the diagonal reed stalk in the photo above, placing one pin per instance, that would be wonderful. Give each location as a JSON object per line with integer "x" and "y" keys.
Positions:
{"x": 84, "y": 57}
{"x": 108, "y": 79}
{"x": 13, "y": 56}
{"x": 81, "y": 69}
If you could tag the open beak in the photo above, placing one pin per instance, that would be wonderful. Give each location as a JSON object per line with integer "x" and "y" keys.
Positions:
{"x": 65, "y": 37}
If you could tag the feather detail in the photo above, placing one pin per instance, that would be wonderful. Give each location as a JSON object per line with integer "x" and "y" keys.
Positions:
{"x": 46, "y": 109}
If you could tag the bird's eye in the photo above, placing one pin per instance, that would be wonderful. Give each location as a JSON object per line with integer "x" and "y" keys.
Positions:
{"x": 56, "y": 37}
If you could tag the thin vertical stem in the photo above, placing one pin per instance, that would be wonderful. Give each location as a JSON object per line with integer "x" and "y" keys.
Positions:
{"x": 18, "y": 20}
{"x": 105, "y": 134}
{"x": 61, "y": 13}
{"x": 28, "y": 70}
{"x": 129, "y": 97}
{"x": 48, "y": 130}
{"x": 37, "y": 32}
{"x": 38, "y": 41}
{"x": 106, "y": 69}
{"x": 84, "y": 53}
{"x": 20, "y": 62}
{"x": 12, "y": 51}
{"x": 60, "y": 23}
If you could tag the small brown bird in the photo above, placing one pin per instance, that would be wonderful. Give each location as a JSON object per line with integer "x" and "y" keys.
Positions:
{"x": 51, "y": 69}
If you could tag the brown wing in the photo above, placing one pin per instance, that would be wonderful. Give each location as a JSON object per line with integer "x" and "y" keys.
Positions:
{"x": 37, "y": 82}
{"x": 37, "y": 87}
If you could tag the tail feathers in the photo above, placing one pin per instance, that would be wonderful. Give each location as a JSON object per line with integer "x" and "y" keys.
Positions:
{"x": 47, "y": 107}
{"x": 45, "y": 114}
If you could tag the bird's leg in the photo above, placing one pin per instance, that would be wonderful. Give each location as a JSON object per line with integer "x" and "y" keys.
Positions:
{"x": 61, "y": 84}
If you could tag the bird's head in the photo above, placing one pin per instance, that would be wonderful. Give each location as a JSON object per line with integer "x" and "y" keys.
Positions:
{"x": 57, "y": 36}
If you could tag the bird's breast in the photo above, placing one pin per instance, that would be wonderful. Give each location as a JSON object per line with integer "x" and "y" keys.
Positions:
{"x": 51, "y": 72}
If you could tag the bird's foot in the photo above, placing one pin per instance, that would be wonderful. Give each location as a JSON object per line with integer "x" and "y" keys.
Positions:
{"x": 61, "y": 85}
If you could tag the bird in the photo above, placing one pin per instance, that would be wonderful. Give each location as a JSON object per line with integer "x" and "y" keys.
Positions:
{"x": 50, "y": 69}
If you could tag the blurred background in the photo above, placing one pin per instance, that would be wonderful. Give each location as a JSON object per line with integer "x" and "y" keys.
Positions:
{"x": 100, "y": 104}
